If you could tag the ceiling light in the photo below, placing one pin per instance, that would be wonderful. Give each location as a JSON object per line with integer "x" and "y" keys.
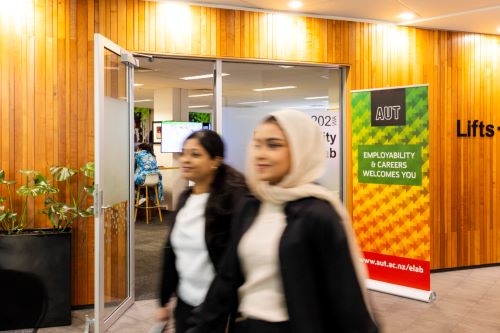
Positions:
{"x": 17, "y": 12}
{"x": 274, "y": 88}
{"x": 201, "y": 95}
{"x": 142, "y": 100}
{"x": 406, "y": 16}
{"x": 295, "y": 4}
{"x": 198, "y": 77}
{"x": 138, "y": 84}
{"x": 316, "y": 97}
{"x": 198, "y": 106}
{"x": 286, "y": 66}
{"x": 253, "y": 102}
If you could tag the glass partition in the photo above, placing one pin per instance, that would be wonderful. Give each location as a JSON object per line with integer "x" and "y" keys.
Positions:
{"x": 251, "y": 91}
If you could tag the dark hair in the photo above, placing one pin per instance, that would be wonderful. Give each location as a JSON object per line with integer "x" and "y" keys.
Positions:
{"x": 270, "y": 120}
{"x": 211, "y": 141}
{"x": 147, "y": 147}
{"x": 226, "y": 179}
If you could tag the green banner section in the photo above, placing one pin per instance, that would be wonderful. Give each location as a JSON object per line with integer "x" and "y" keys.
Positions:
{"x": 390, "y": 164}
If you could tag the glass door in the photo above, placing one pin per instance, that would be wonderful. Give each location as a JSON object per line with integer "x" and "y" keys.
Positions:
{"x": 114, "y": 238}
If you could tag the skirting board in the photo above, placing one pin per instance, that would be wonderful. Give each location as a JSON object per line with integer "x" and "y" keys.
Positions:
{"x": 420, "y": 295}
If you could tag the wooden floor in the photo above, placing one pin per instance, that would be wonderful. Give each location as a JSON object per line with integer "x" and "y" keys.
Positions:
{"x": 468, "y": 301}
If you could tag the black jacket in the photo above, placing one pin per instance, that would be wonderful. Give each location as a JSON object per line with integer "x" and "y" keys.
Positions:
{"x": 218, "y": 217}
{"x": 320, "y": 285}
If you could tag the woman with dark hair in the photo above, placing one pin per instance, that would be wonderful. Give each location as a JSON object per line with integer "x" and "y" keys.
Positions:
{"x": 292, "y": 265}
{"x": 147, "y": 147}
{"x": 201, "y": 228}
{"x": 145, "y": 163}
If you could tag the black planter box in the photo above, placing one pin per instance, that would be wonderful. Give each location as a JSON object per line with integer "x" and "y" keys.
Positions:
{"x": 35, "y": 279}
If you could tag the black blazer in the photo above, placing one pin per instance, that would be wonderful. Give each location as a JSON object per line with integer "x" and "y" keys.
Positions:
{"x": 320, "y": 285}
{"x": 217, "y": 232}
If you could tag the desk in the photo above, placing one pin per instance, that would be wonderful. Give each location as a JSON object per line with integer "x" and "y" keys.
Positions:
{"x": 167, "y": 168}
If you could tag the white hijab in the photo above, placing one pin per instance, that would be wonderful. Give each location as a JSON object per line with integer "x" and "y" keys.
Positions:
{"x": 308, "y": 161}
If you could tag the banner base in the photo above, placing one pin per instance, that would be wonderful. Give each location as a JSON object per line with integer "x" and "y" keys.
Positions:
{"x": 420, "y": 295}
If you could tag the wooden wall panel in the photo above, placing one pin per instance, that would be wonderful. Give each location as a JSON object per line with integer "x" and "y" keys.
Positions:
{"x": 46, "y": 96}
{"x": 46, "y": 104}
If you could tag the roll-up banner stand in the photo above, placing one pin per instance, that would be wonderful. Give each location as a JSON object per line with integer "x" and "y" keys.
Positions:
{"x": 391, "y": 206}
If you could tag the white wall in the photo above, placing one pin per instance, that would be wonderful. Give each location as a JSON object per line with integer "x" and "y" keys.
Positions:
{"x": 167, "y": 106}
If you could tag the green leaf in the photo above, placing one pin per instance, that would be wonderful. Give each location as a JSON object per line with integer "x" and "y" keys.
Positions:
{"x": 62, "y": 173}
{"x": 3, "y": 180}
{"x": 29, "y": 172}
{"x": 33, "y": 191}
{"x": 88, "y": 169}
{"x": 89, "y": 189}
{"x": 44, "y": 185}
{"x": 8, "y": 215}
{"x": 48, "y": 201}
{"x": 87, "y": 213}
{"x": 40, "y": 180}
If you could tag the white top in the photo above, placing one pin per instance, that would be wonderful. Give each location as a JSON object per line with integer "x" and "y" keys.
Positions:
{"x": 262, "y": 296}
{"x": 193, "y": 264}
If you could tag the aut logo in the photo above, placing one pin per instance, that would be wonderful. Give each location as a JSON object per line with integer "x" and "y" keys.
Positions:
{"x": 388, "y": 112}
{"x": 388, "y": 107}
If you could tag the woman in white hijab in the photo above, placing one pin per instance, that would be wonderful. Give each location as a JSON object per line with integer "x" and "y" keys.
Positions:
{"x": 293, "y": 265}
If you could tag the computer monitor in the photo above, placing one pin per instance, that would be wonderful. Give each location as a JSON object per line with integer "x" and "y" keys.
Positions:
{"x": 173, "y": 134}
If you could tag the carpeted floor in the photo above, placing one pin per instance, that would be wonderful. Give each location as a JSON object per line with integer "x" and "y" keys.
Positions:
{"x": 149, "y": 242}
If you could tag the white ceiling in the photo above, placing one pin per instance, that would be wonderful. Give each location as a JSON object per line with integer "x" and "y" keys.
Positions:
{"x": 481, "y": 16}
{"x": 238, "y": 85}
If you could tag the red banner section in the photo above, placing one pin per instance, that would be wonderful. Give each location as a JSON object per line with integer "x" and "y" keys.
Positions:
{"x": 411, "y": 273}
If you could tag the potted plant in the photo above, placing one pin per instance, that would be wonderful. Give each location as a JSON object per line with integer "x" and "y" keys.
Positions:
{"x": 34, "y": 186}
{"x": 62, "y": 214}
{"x": 42, "y": 256}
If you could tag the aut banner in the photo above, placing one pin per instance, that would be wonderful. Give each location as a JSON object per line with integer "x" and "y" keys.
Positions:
{"x": 391, "y": 207}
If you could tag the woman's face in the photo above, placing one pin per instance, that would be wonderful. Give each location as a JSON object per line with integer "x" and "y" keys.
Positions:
{"x": 271, "y": 153}
{"x": 196, "y": 163}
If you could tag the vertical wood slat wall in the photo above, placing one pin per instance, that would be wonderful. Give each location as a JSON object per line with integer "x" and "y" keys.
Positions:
{"x": 46, "y": 105}
{"x": 46, "y": 96}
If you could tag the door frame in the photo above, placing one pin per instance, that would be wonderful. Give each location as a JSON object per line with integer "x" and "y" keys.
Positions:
{"x": 101, "y": 324}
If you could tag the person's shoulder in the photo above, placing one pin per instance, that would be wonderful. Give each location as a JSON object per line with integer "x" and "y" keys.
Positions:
{"x": 313, "y": 208}
{"x": 319, "y": 218}
{"x": 246, "y": 201}
{"x": 310, "y": 203}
